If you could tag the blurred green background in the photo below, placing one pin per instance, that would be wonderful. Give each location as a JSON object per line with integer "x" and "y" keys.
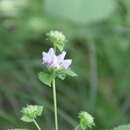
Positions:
{"x": 98, "y": 33}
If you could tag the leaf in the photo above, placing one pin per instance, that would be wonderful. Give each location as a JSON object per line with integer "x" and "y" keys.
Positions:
{"x": 26, "y": 119}
{"x": 69, "y": 72}
{"x": 80, "y": 11}
{"x": 62, "y": 76}
{"x": 60, "y": 46}
{"x": 46, "y": 78}
{"x": 123, "y": 127}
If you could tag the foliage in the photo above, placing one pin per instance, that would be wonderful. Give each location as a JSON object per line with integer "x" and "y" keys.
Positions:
{"x": 46, "y": 78}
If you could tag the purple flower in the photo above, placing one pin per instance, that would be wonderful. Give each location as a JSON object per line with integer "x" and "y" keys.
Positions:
{"x": 57, "y": 62}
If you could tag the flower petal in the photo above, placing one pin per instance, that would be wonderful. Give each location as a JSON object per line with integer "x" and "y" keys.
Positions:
{"x": 51, "y": 52}
{"x": 49, "y": 58}
{"x": 45, "y": 57}
{"x": 53, "y": 62}
{"x": 66, "y": 63}
{"x": 61, "y": 57}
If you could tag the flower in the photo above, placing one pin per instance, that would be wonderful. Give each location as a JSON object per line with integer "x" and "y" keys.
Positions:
{"x": 31, "y": 112}
{"x": 57, "y": 62}
{"x": 86, "y": 120}
{"x": 56, "y": 37}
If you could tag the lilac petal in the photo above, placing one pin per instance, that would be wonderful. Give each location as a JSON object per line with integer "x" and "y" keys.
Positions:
{"x": 61, "y": 57}
{"x": 52, "y": 56}
{"x": 49, "y": 58}
{"x": 53, "y": 62}
{"x": 66, "y": 63}
{"x": 46, "y": 58}
{"x": 51, "y": 52}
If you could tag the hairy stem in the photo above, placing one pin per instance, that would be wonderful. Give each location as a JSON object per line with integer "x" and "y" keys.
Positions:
{"x": 55, "y": 104}
{"x": 36, "y": 124}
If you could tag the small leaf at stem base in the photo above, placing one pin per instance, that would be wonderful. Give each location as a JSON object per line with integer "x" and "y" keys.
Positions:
{"x": 46, "y": 78}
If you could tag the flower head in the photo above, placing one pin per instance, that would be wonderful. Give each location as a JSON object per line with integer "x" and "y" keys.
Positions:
{"x": 56, "y": 37}
{"x": 31, "y": 112}
{"x": 57, "y": 62}
{"x": 86, "y": 120}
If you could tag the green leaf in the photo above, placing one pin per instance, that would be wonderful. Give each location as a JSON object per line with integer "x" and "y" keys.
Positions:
{"x": 46, "y": 78}
{"x": 26, "y": 119}
{"x": 123, "y": 127}
{"x": 60, "y": 46}
{"x": 62, "y": 76}
{"x": 80, "y": 11}
{"x": 69, "y": 72}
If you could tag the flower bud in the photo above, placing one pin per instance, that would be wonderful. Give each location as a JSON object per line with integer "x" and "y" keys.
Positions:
{"x": 86, "y": 120}
{"x": 56, "y": 37}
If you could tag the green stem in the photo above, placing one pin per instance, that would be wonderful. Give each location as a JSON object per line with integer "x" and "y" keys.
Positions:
{"x": 55, "y": 48}
{"x": 55, "y": 104}
{"x": 38, "y": 127}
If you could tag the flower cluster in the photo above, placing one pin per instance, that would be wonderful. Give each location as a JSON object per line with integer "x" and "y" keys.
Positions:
{"x": 31, "y": 112}
{"x": 57, "y": 62}
{"x": 56, "y": 37}
{"x": 86, "y": 120}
